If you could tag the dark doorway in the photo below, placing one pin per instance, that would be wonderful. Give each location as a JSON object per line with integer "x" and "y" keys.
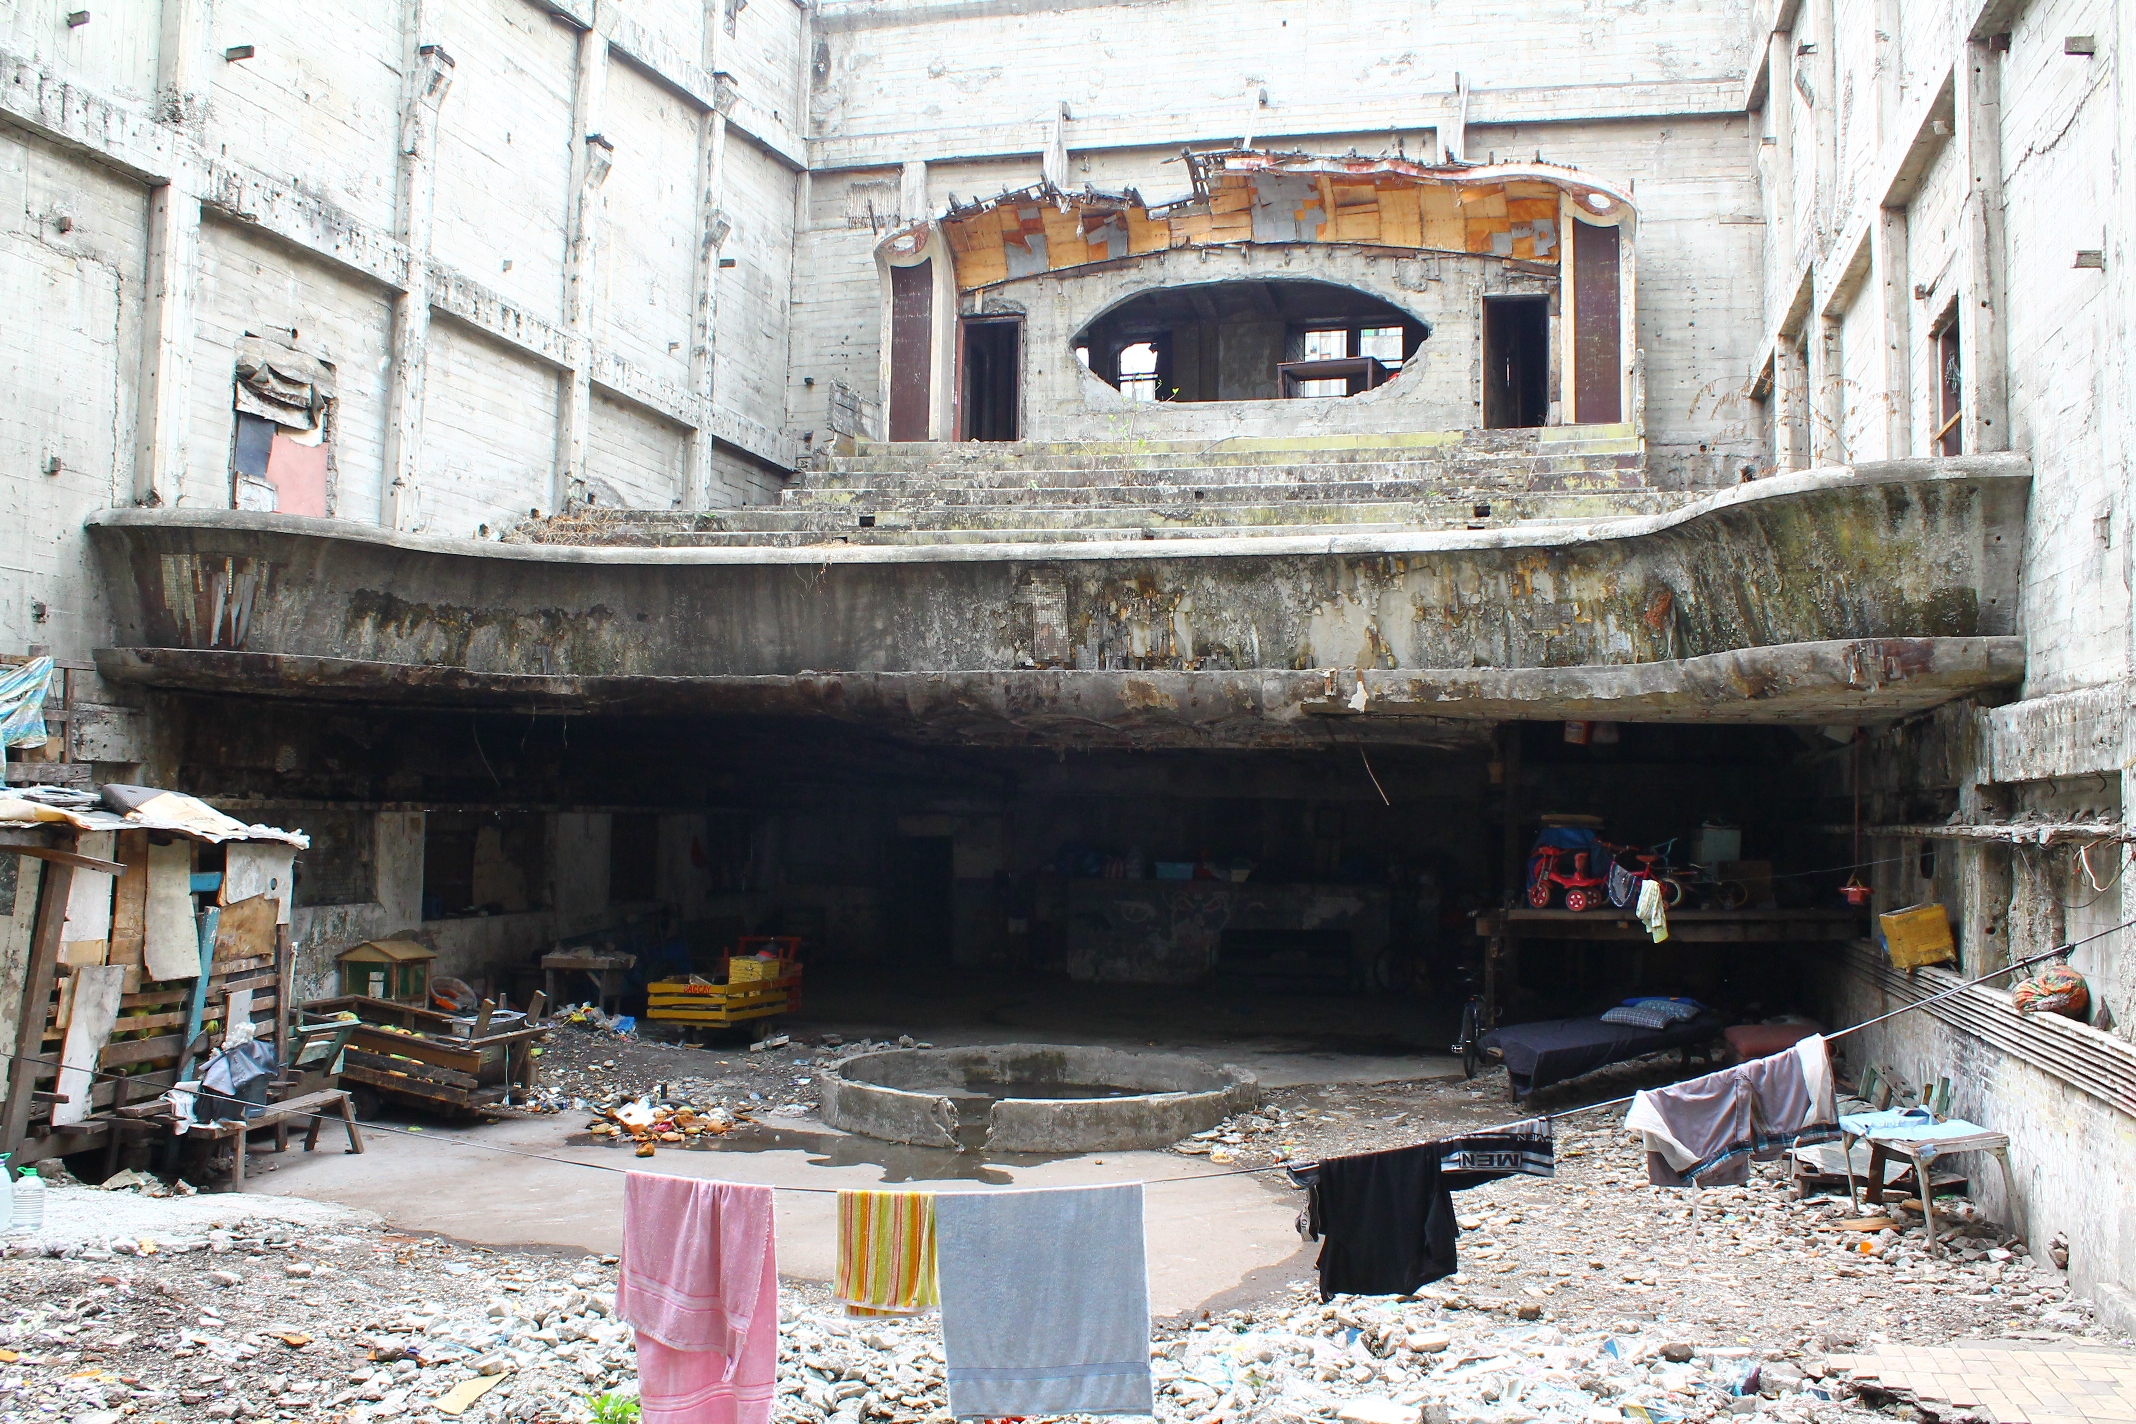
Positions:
{"x": 920, "y": 901}
{"x": 911, "y": 349}
{"x": 633, "y": 858}
{"x": 990, "y": 387}
{"x": 1516, "y": 362}
{"x": 1597, "y": 326}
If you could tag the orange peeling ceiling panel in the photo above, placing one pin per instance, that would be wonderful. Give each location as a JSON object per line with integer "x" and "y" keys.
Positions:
{"x": 1377, "y": 202}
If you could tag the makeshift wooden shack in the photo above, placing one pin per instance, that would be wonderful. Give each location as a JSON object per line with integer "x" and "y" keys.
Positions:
{"x": 136, "y": 926}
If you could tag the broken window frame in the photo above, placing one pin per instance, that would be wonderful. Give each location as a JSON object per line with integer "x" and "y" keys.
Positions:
{"x": 1948, "y": 437}
{"x": 1140, "y": 385}
{"x": 276, "y": 388}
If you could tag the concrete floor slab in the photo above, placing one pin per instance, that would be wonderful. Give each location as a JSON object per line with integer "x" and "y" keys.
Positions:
{"x": 1207, "y": 1231}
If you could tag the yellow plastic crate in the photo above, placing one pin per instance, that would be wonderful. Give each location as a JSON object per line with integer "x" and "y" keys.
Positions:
{"x": 1918, "y": 935}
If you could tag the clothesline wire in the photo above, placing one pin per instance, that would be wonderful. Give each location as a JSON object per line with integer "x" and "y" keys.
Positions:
{"x": 417, "y": 1134}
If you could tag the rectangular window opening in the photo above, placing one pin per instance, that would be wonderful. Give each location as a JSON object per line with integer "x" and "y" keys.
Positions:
{"x": 1381, "y": 343}
{"x": 1949, "y": 438}
{"x": 1326, "y": 345}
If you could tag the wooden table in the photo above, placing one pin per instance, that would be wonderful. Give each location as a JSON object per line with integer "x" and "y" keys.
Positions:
{"x": 1368, "y": 370}
{"x": 606, "y": 971}
{"x": 1922, "y": 1152}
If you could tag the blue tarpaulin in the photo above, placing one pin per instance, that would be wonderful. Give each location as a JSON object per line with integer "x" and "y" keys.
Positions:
{"x": 22, "y": 695}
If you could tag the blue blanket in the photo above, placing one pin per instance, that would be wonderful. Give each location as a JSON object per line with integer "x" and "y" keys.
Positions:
{"x": 1552, "y": 1050}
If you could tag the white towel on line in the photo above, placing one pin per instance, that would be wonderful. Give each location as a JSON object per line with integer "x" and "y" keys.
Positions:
{"x": 1032, "y": 1325}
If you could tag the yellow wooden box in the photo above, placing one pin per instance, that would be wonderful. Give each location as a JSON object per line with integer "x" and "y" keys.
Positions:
{"x": 1918, "y": 935}
{"x": 680, "y": 1001}
{"x": 742, "y": 969}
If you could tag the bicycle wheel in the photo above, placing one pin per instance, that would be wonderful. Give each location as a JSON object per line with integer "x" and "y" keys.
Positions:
{"x": 1470, "y": 1049}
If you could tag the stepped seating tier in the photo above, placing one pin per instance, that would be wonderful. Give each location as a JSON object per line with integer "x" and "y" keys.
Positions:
{"x": 1103, "y": 490}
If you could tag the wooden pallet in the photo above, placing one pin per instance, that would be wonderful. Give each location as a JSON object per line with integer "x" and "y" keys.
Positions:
{"x": 431, "y": 1065}
{"x": 679, "y": 1001}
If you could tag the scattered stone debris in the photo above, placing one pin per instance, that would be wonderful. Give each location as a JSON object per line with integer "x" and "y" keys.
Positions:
{"x": 1592, "y": 1297}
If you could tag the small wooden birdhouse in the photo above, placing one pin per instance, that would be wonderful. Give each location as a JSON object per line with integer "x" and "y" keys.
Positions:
{"x": 396, "y": 969}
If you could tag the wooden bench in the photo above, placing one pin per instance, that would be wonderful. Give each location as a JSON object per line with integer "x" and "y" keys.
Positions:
{"x": 279, "y": 1116}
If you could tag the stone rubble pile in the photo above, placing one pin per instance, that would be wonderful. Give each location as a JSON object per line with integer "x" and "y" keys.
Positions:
{"x": 1243, "y": 1136}
{"x": 1362, "y": 1362}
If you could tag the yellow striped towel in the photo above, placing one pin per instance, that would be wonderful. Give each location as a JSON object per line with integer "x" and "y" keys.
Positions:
{"x": 886, "y": 1252}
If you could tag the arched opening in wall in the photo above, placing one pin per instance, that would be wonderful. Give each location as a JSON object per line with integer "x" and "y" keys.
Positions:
{"x": 1249, "y": 340}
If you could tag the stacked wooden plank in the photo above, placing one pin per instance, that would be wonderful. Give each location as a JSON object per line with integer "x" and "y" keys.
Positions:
{"x": 132, "y": 977}
{"x": 692, "y": 1001}
{"x": 430, "y": 1059}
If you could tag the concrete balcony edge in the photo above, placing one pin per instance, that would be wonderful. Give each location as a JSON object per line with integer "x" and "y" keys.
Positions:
{"x": 1976, "y": 469}
{"x": 1841, "y": 681}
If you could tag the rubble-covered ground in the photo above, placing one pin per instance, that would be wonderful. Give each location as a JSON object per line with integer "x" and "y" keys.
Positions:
{"x": 600, "y": 1069}
{"x": 1590, "y": 1297}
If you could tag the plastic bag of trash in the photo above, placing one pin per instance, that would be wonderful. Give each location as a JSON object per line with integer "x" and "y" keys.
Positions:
{"x": 234, "y": 1084}
{"x": 2058, "y": 989}
{"x": 454, "y": 996}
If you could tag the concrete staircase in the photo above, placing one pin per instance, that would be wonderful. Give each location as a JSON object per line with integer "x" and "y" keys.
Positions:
{"x": 1033, "y": 492}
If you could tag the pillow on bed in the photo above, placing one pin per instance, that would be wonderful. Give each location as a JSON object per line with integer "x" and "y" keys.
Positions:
{"x": 1638, "y": 1015}
{"x": 1654, "y": 1013}
{"x": 1674, "y": 1008}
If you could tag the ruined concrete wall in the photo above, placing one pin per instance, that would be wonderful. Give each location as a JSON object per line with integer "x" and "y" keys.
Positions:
{"x": 2072, "y": 382}
{"x": 987, "y": 82}
{"x": 2043, "y": 761}
{"x": 756, "y": 294}
{"x": 294, "y": 185}
{"x": 504, "y": 152}
{"x": 71, "y": 254}
{"x": 1992, "y": 193}
{"x": 250, "y": 286}
{"x": 1700, "y": 233}
{"x": 1437, "y": 389}
{"x": 489, "y": 434}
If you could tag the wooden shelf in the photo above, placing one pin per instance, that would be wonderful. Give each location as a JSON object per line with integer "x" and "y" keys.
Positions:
{"x": 1689, "y": 926}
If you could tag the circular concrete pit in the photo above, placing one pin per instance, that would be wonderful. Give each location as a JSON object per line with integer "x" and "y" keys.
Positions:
{"x": 1032, "y": 1097}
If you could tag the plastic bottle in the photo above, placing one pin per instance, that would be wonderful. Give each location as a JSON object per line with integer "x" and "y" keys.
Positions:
{"x": 7, "y": 1201}
{"x": 29, "y": 1195}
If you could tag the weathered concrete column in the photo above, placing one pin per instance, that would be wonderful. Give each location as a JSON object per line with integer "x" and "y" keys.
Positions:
{"x": 713, "y": 225}
{"x": 1780, "y": 118}
{"x": 165, "y": 413}
{"x": 1985, "y": 394}
{"x": 426, "y": 76}
{"x": 167, "y": 339}
{"x": 1822, "y": 72}
{"x": 591, "y": 157}
{"x": 1791, "y": 416}
{"x": 1826, "y": 406}
{"x": 1895, "y": 299}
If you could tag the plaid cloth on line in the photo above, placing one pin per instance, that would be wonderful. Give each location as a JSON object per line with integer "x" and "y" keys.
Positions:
{"x": 886, "y": 1252}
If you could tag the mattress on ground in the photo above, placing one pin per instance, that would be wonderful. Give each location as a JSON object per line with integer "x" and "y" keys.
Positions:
{"x": 1552, "y": 1050}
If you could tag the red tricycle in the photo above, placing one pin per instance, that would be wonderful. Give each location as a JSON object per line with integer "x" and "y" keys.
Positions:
{"x": 1552, "y": 867}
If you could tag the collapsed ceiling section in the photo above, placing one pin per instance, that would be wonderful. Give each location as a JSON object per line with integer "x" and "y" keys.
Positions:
{"x": 1511, "y": 211}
